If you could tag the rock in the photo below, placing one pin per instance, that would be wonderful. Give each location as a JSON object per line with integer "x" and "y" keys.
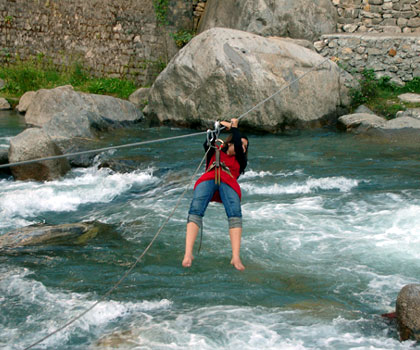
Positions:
{"x": 224, "y": 72}
{"x": 410, "y": 112}
{"x": 359, "y": 122}
{"x": 34, "y": 143}
{"x": 300, "y": 42}
{"x": 140, "y": 97}
{"x": 4, "y": 104}
{"x": 300, "y": 19}
{"x": 47, "y": 103}
{"x": 47, "y": 235}
{"x": 410, "y": 98}
{"x": 408, "y": 312}
{"x": 402, "y": 123}
{"x": 363, "y": 109}
{"x": 4, "y": 156}
{"x": 25, "y": 101}
{"x": 2, "y": 84}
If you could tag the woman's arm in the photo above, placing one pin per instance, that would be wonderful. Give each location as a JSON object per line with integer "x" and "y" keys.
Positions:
{"x": 237, "y": 142}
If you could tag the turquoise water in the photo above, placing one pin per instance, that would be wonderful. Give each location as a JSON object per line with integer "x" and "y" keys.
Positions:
{"x": 331, "y": 235}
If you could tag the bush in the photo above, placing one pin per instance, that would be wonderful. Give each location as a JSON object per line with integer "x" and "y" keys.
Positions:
{"x": 182, "y": 37}
{"x": 381, "y": 95}
{"x": 35, "y": 74}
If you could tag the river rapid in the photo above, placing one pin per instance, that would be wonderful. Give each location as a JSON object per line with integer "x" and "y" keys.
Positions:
{"x": 331, "y": 235}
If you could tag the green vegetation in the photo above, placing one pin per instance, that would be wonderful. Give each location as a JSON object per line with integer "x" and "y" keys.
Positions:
{"x": 161, "y": 11}
{"x": 182, "y": 37}
{"x": 38, "y": 73}
{"x": 381, "y": 95}
{"x": 8, "y": 19}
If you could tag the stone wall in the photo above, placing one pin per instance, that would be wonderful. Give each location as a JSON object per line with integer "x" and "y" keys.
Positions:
{"x": 107, "y": 37}
{"x": 380, "y": 16}
{"x": 393, "y": 55}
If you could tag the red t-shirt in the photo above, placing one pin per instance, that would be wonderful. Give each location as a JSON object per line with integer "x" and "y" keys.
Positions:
{"x": 234, "y": 167}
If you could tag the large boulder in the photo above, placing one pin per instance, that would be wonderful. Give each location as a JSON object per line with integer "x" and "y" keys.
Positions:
{"x": 70, "y": 122}
{"x": 223, "y": 73}
{"x": 408, "y": 312}
{"x": 140, "y": 97}
{"x": 47, "y": 103}
{"x": 25, "y": 101}
{"x": 47, "y": 235}
{"x": 34, "y": 143}
{"x": 300, "y": 19}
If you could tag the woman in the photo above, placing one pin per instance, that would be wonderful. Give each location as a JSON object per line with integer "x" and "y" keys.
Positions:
{"x": 219, "y": 183}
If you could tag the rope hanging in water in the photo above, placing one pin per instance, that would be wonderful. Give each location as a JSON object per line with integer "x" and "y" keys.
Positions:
{"x": 218, "y": 129}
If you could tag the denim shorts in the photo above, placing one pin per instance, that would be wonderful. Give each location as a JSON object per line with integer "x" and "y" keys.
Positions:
{"x": 204, "y": 192}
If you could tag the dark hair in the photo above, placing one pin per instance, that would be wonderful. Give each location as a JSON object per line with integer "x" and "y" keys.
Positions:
{"x": 229, "y": 140}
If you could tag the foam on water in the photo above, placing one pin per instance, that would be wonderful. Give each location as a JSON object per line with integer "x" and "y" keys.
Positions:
{"x": 58, "y": 307}
{"x": 251, "y": 174}
{"x": 5, "y": 142}
{"x": 310, "y": 185}
{"x": 230, "y": 327}
{"x": 22, "y": 200}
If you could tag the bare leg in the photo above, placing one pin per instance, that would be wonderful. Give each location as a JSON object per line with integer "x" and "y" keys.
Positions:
{"x": 235, "y": 241}
{"x": 190, "y": 236}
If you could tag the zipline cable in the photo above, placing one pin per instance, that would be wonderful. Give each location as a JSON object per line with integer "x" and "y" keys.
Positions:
{"x": 136, "y": 144}
{"x": 74, "y": 319}
{"x": 169, "y": 216}
{"x": 98, "y": 150}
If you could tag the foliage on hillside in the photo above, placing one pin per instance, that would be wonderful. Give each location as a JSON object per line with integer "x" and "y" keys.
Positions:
{"x": 36, "y": 74}
{"x": 381, "y": 95}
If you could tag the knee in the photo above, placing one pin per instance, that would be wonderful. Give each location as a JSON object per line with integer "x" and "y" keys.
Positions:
{"x": 235, "y": 222}
{"x": 197, "y": 219}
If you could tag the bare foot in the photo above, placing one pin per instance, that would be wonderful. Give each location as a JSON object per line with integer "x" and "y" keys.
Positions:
{"x": 187, "y": 262}
{"x": 237, "y": 264}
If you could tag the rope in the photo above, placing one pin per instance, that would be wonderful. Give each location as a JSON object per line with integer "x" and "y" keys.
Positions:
{"x": 169, "y": 216}
{"x": 135, "y": 144}
{"x": 283, "y": 88}
{"x": 129, "y": 270}
{"x": 68, "y": 155}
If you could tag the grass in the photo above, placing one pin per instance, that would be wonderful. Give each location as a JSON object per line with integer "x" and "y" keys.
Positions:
{"x": 381, "y": 96}
{"x": 36, "y": 74}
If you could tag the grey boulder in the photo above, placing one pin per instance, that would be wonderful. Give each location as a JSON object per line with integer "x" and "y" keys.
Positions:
{"x": 299, "y": 19}
{"x": 47, "y": 103}
{"x": 47, "y": 235}
{"x": 223, "y": 73}
{"x": 34, "y": 143}
{"x": 408, "y": 312}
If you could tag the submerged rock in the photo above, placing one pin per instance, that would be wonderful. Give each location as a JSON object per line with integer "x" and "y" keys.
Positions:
{"x": 223, "y": 73}
{"x": 34, "y": 143}
{"x": 46, "y": 235}
{"x": 303, "y": 19}
{"x": 408, "y": 312}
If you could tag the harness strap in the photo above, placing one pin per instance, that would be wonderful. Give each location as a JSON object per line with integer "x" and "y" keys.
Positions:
{"x": 222, "y": 166}
{"x": 217, "y": 166}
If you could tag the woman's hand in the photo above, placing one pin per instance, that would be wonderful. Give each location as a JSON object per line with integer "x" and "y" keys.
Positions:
{"x": 226, "y": 124}
{"x": 232, "y": 124}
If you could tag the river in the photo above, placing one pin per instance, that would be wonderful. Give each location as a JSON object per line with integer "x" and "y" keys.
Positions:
{"x": 331, "y": 235}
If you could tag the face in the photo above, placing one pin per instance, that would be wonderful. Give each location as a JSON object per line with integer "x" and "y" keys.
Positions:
{"x": 231, "y": 148}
